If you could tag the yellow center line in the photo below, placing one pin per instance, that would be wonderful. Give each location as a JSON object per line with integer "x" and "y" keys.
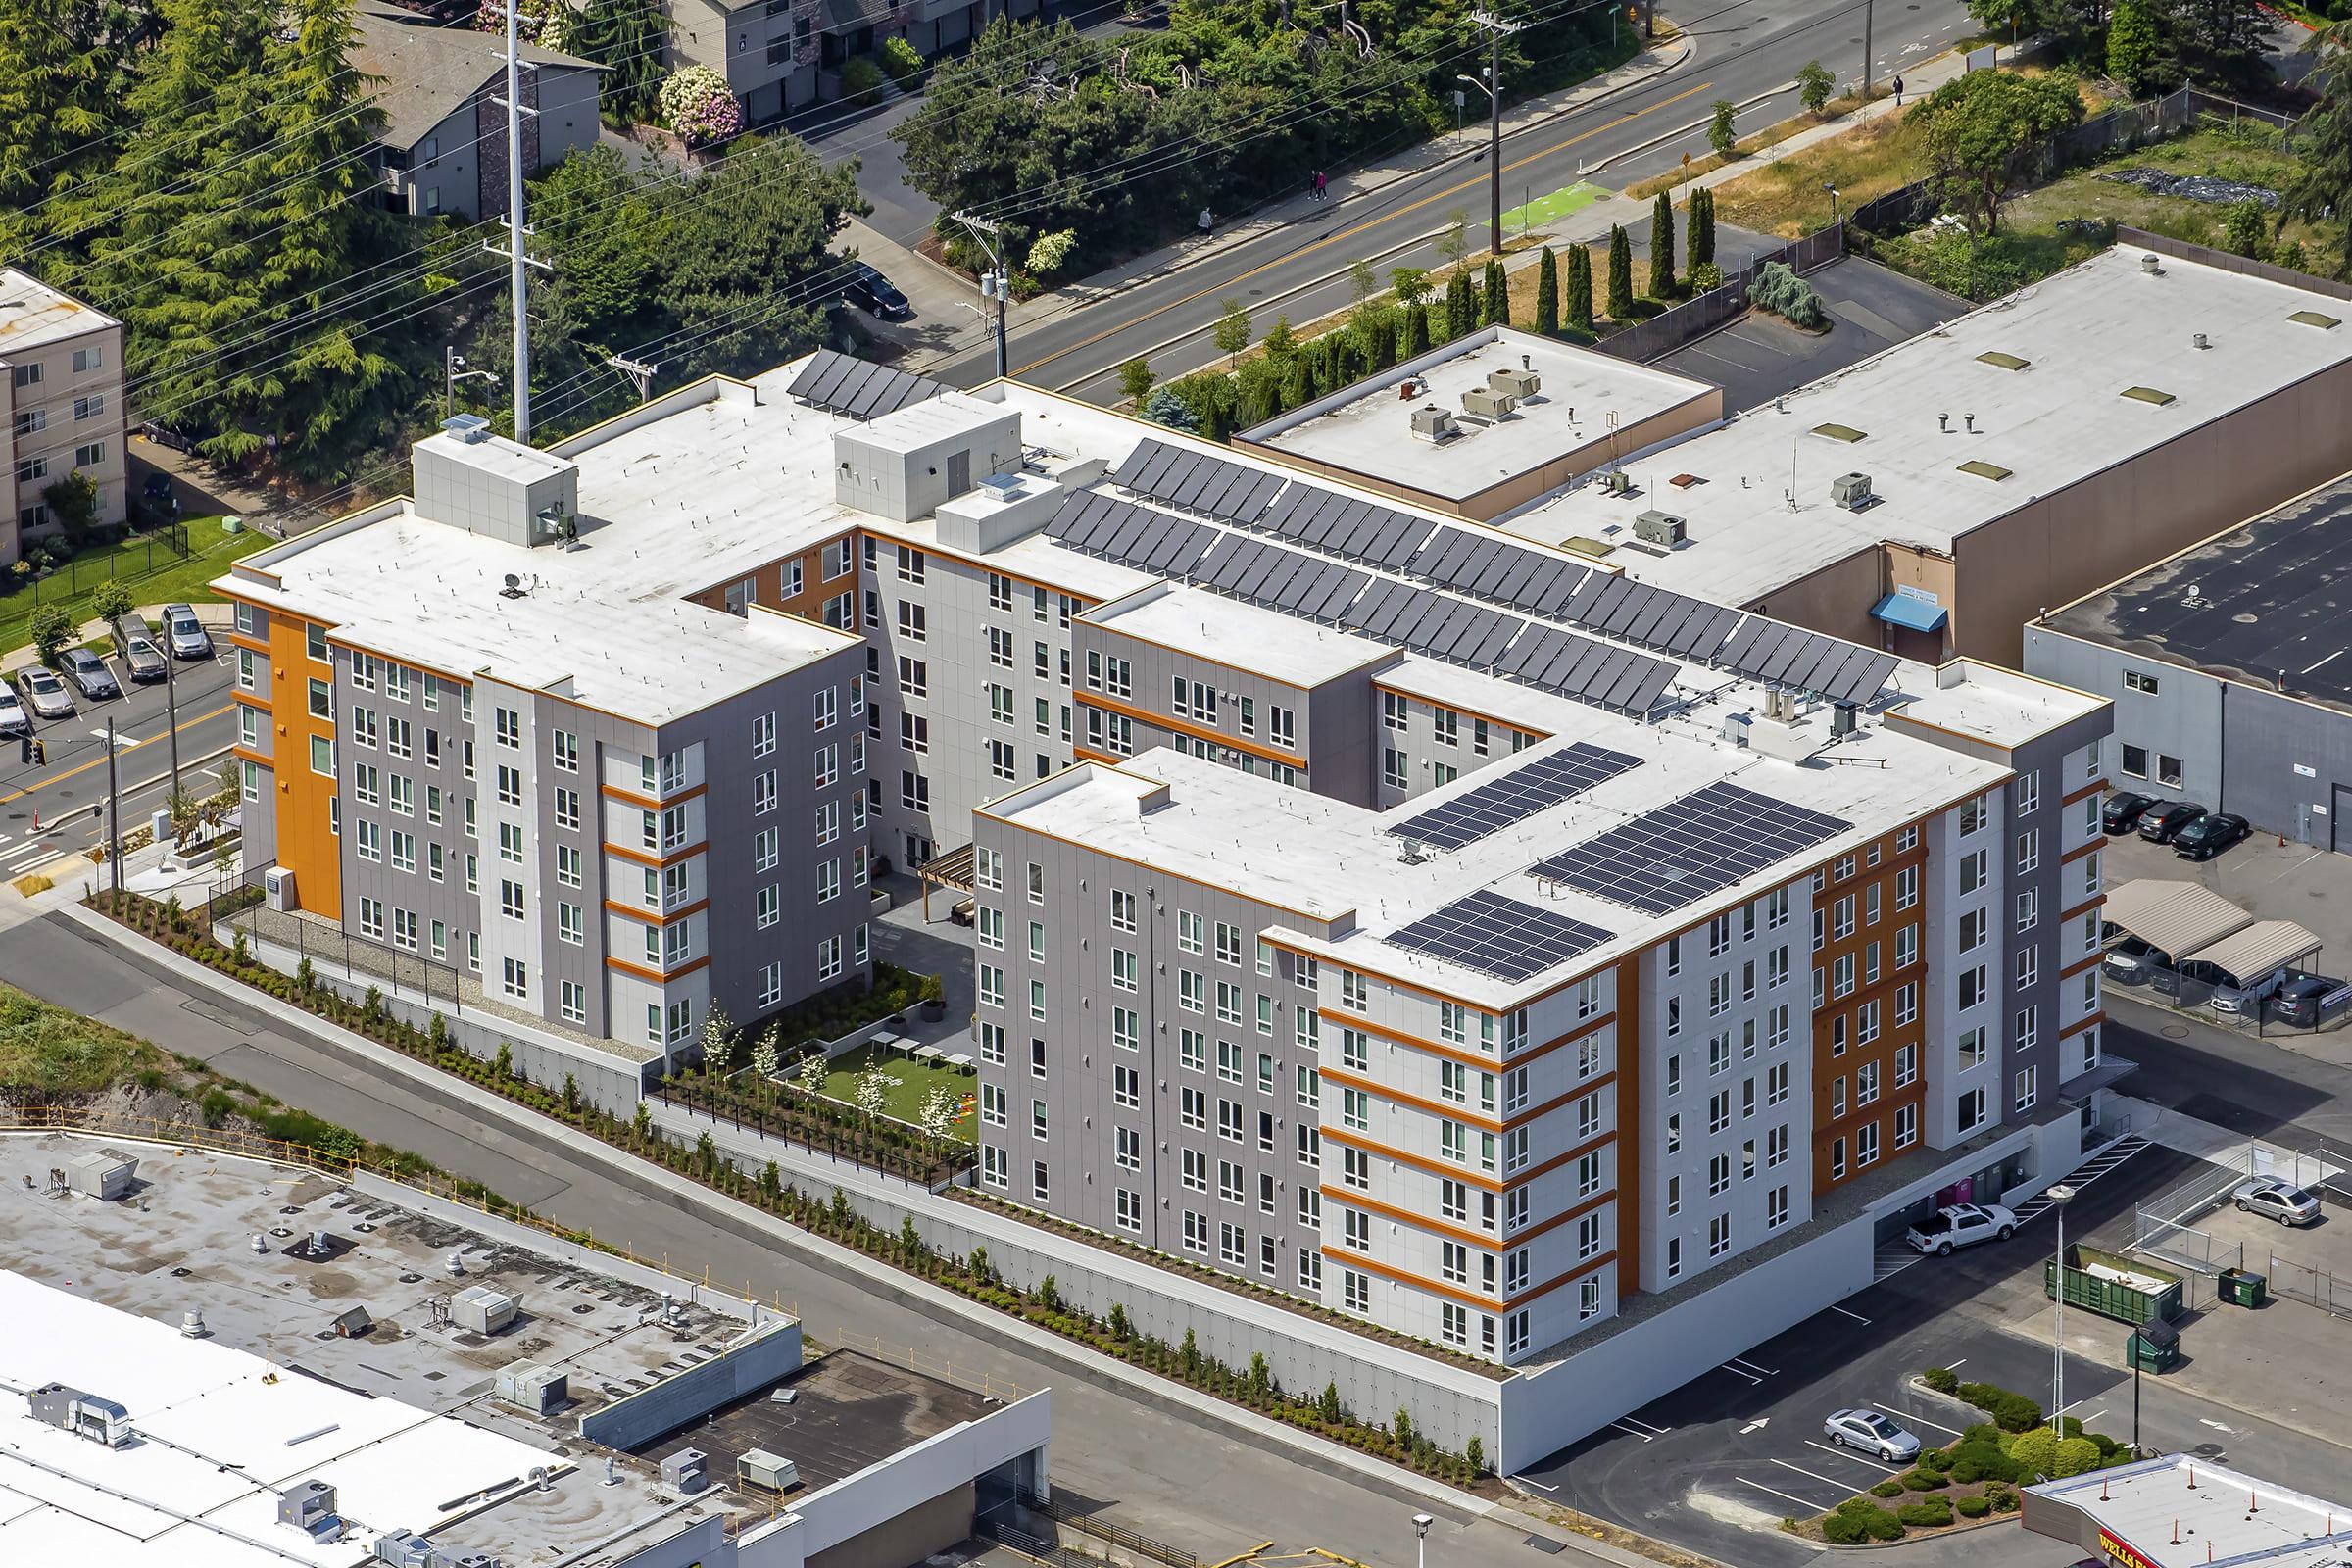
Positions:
{"x": 100, "y": 761}
{"x": 1369, "y": 222}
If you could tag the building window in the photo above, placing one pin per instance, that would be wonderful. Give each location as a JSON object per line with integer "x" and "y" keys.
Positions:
{"x": 2135, "y": 762}
{"x": 2168, "y": 770}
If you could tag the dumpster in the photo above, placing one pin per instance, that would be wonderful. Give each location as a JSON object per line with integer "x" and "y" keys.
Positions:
{"x": 2154, "y": 1346}
{"x": 2130, "y": 1290}
{"x": 2241, "y": 1287}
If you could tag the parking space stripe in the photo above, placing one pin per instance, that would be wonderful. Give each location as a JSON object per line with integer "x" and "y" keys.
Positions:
{"x": 1736, "y": 1372}
{"x": 1910, "y": 1415}
{"x": 1816, "y": 1475}
{"x": 1842, "y": 1312}
{"x": 1848, "y": 1453}
{"x": 1814, "y": 1508}
{"x": 1750, "y": 1367}
{"x": 1651, "y": 1427}
{"x": 1633, "y": 1431}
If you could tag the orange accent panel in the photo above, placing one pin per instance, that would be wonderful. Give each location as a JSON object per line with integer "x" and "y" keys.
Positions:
{"x": 2085, "y": 907}
{"x": 238, "y": 639}
{"x": 656, "y": 976}
{"x": 2081, "y": 1024}
{"x": 307, "y": 844}
{"x": 1372, "y": 1146}
{"x": 2090, "y": 962}
{"x": 1440, "y": 1107}
{"x": 1169, "y": 721}
{"x": 654, "y": 917}
{"x": 2091, "y": 788}
{"x": 1460, "y": 1053}
{"x": 255, "y": 757}
{"x": 1485, "y": 1241}
{"x": 2081, "y": 850}
{"x": 659, "y": 860}
{"x": 647, "y": 802}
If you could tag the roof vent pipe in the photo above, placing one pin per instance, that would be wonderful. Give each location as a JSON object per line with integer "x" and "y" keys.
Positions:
{"x": 2149, "y": 265}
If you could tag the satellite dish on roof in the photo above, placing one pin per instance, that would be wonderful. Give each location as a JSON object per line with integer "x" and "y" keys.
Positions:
{"x": 514, "y": 588}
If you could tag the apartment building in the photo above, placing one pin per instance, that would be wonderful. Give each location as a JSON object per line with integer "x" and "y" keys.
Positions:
{"x": 64, "y": 386}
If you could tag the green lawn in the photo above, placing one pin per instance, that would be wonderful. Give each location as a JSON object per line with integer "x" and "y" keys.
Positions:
{"x": 146, "y": 567}
{"x": 1551, "y": 208}
{"x": 915, "y": 1080}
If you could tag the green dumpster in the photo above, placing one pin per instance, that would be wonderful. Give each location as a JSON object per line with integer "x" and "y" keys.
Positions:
{"x": 2154, "y": 1346}
{"x": 2244, "y": 1287}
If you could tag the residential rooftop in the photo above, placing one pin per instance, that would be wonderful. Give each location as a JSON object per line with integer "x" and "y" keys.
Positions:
{"x": 2004, "y": 406}
{"x": 1588, "y": 404}
{"x": 32, "y": 314}
{"x": 2266, "y": 603}
{"x": 426, "y": 73}
{"x": 1186, "y": 619}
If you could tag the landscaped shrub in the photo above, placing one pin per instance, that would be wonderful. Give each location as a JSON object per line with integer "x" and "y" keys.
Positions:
{"x": 1980, "y": 1460}
{"x": 1935, "y": 1459}
{"x": 1943, "y": 1379}
{"x": 1841, "y": 1530}
{"x": 2002, "y": 1498}
{"x": 1924, "y": 1480}
{"x": 2035, "y": 1451}
{"x": 900, "y": 58}
{"x": 1871, "y": 1520}
{"x": 2011, "y": 1412}
{"x": 697, "y": 103}
{"x": 861, "y": 81}
{"x": 1888, "y": 1488}
{"x": 1973, "y": 1507}
{"x": 1785, "y": 294}
{"x": 2074, "y": 1457}
{"x": 1928, "y": 1513}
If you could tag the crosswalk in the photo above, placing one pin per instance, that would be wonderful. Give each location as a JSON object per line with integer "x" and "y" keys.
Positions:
{"x": 1895, "y": 1254}
{"x": 20, "y": 853}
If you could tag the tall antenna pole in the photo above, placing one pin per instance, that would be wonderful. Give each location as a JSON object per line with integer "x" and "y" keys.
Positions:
{"x": 518, "y": 254}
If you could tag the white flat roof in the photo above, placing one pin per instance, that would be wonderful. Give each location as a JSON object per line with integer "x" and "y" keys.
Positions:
{"x": 1585, "y": 397}
{"x": 2210, "y": 1511}
{"x": 223, "y": 1430}
{"x": 2087, "y": 335}
{"x": 1286, "y": 648}
{"x": 1326, "y": 859}
{"x": 32, "y": 314}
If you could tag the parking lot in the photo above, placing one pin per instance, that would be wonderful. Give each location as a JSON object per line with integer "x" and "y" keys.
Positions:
{"x": 1717, "y": 1464}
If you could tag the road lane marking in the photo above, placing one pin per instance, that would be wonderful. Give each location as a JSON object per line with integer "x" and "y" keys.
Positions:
{"x": 100, "y": 760}
{"x": 1646, "y": 1425}
{"x": 1801, "y": 1503}
{"x": 1349, "y": 233}
{"x": 1848, "y": 1453}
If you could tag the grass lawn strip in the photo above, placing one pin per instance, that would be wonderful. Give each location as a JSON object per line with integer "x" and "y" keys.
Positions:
{"x": 211, "y": 548}
{"x": 916, "y": 1081}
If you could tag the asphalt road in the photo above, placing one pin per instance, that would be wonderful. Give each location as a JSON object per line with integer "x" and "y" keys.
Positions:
{"x": 1740, "y": 51}
{"x": 48, "y": 810}
{"x": 1154, "y": 1465}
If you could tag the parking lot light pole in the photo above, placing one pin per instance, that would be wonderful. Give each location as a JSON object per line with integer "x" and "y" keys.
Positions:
{"x": 1421, "y": 1523}
{"x": 2058, "y": 1195}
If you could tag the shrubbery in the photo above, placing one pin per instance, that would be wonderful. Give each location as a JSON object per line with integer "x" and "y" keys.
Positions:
{"x": 697, "y": 103}
{"x": 2011, "y": 1412}
{"x": 1924, "y": 1480}
{"x": 1930, "y": 1513}
{"x": 1785, "y": 294}
{"x": 1888, "y": 1488}
{"x": 1973, "y": 1507}
{"x": 901, "y": 60}
{"x": 1943, "y": 1379}
{"x": 1858, "y": 1519}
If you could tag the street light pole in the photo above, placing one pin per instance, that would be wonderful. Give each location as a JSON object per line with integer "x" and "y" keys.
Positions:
{"x": 998, "y": 285}
{"x": 1421, "y": 1523}
{"x": 1868, "y": 14}
{"x": 113, "y": 814}
{"x": 2059, "y": 1197}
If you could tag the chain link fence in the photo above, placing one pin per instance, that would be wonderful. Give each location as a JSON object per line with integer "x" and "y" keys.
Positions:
{"x": 1701, "y": 313}
{"x": 2313, "y": 1287}
{"x": 2187, "y": 993}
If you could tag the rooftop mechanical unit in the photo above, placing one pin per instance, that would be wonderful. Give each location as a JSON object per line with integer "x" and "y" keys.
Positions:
{"x": 104, "y": 1177}
{"x": 1436, "y": 425}
{"x": 405, "y": 1549}
{"x": 528, "y": 1385}
{"x": 772, "y": 1471}
{"x": 310, "y": 1507}
{"x": 482, "y": 1309}
{"x": 1487, "y": 403}
{"x": 1852, "y": 491}
{"x": 1663, "y": 528}
{"x": 85, "y": 1415}
{"x": 1516, "y": 384}
{"x": 688, "y": 1470}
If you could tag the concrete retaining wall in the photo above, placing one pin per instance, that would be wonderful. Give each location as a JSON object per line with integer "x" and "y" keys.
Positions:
{"x": 750, "y": 1363}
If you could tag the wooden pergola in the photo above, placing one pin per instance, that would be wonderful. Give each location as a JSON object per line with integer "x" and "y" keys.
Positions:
{"x": 952, "y": 872}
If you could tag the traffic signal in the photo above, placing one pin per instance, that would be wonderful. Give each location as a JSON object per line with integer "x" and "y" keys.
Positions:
{"x": 34, "y": 752}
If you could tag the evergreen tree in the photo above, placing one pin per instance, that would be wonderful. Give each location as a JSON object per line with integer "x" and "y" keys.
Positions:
{"x": 1461, "y": 308}
{"x": 1494, "y": 305}
{"x": 1661, "y": 248}
{"x": 1298, "y": 382}
{"x": 626, "y": 37}
{"x": 1548, "y": 293}
{"x": 2136, "y": 55}
{"x": 1416, "y": 328}
{"x": 2322, "y": 189}
{"x": 54, "y": 113}
{"x": 1704, "y": 249}
{"x": 1621, "y": 273}
{"x": 1580, "y": 289}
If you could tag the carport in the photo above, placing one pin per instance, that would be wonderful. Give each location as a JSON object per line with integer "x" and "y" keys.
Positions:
{"x": 2260, "y": 948}
{"x": 2177, "y": 918}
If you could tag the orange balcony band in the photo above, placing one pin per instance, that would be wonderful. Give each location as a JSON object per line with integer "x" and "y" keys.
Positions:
{"x": 656, "y": 976}
{"x": 656, "y": 862}
{"x": 615, "y": 791}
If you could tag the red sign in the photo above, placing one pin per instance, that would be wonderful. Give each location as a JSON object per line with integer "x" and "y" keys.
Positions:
{"x": 2122, "y": 1554}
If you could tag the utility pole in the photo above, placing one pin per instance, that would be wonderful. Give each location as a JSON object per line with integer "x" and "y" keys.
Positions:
{"x": 1496, "y": 30}
{"x": 113, "y": 814}
{"x": 516, "y": 252}
{"x": 996, "y": 284}
{"x": 172, "y": 713}
{"x": 637, "y": 370}
{"x": 1868, "y": 14}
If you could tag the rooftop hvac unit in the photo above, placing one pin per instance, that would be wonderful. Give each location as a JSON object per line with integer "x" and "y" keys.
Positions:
{"x": 688, "y": 1470}
{"x": 1617, "y": 482}
{"x": 85, "y": 1415}
{"x": 1852, "y": 491}
{"x": 482, "y": 1309}
{"x": 1664, "y": 529}
{"x": 310, "y": 1507}
{"x": 528, "y": 1385}
{"x": 104, "y": 1177}
{"x": 1436, "y": 424}
{"x": 1487, "y": 403}
{"x": 1518, "y": 384}
{"x": 760, "y": 1468}
{"x": 404, "y": 1548}
{"x": 471, "y": 429}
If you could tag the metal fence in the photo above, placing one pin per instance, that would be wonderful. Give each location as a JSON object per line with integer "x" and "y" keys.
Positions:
{"x": 2314, "y": 1287}
{"x": 1117, "y": 1534}
{"x": 2191, "y": 997}
{"x": 2166, "y": 1227}
{"x": 1703, "y": 314}
{"x": 128, "y": 561}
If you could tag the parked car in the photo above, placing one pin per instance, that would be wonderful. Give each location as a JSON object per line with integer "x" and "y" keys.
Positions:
{"x": 2160, "y": 822}
{"x": 1961, "y": 1225}
{"x": 2133, "y": 962}
{"x": 2209, "y": 835}
{"x": 158, "y": 495}
{"x": 89, "y": 672}
{"x": 2276, "y": 1199}
{"x": 1873, "y": 1431}
{"x": 13, "y": 720}
{"x": 2306, "y": 999}
{"x": 2122, "y": 810}
{"x": 143, "y": 660}
{"x": 44, "y": 693}
{"x": 184, "y": 635}
{"x": 2233, "y": 993}
{"x": 870, "y": 291}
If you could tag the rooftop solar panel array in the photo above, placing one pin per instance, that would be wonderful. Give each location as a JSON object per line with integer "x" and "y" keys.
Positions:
{"x": 1701, "y": 843}
{"x": 1498, "y": 936}
{"x": 842, "y": 383}
{"x": 1360, "y": 531}
{"x": 1106, "y": 526}
{"x": 1197, "y": 481}
{"x": 1805, "y": 661}
{"x": 1518, "y": 795}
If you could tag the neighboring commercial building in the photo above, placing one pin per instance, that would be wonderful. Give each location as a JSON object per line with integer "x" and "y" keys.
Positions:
{"x": 442, "y": 91}
{"x": 340, "y": 1395}
{"x": 63, "y": 381}
{"x": 2227, "y": 667}
{"x": 2182, "y": 1510}
{"x": 780, "y": 56}
{"x": 1484, "y": 425}
{"x": 1933, "y": 498}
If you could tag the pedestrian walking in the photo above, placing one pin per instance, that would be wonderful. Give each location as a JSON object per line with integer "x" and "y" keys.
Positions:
{"x": 1898, "y": 92}
{"x": 1322, "y": 192}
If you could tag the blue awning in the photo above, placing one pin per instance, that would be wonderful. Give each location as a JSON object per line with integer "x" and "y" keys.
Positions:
{"x": 1912, "y": 614}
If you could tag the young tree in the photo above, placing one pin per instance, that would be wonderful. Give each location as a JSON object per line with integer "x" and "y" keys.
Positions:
{"x": 1702, "y": 238}
{"x": 1232, "y": 331}
{"x": 1661, "y": 248}
{"x": 1814, "y": 84}
{"x": 811, "y": 1073}
{"x": 625, "y": 37}
{"x": 1495, "y": 301}
{"x": 938, "y": 1114}
{"x": 1410, "y": 284}
{"x": 1547, "y": 292}
{"x": 1164, "y": 407}
{"x": 1983, "y": 131}
{"x": 1720, "y": 134}
{"x": 1280, "y": 342}
{"x": 1362, "y": 281}
{"x": 718, "y": 1042}
{"x": 1580, "y": 289}
{"x": 2322, "y": 189}
{"x": 1621, "y": 274}
{"x": 73, "y": 502}
{"x": 1136, "y": 381}
{"x": 111, "y": 602}
{"x": 764, "y": 1052}
{"x": 872, "y": 1089}
{"x": 1454, "y": 243}
{"x": 52, "y": 628}
{"x": 2245, "y": 230}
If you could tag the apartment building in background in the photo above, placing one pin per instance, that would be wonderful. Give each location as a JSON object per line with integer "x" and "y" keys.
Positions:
{"x": 61, "y": 371}
{"x": 1432, "y": 925}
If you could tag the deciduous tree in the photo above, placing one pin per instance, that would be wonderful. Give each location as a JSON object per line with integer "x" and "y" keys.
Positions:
{"x": 1982, "y": 133}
